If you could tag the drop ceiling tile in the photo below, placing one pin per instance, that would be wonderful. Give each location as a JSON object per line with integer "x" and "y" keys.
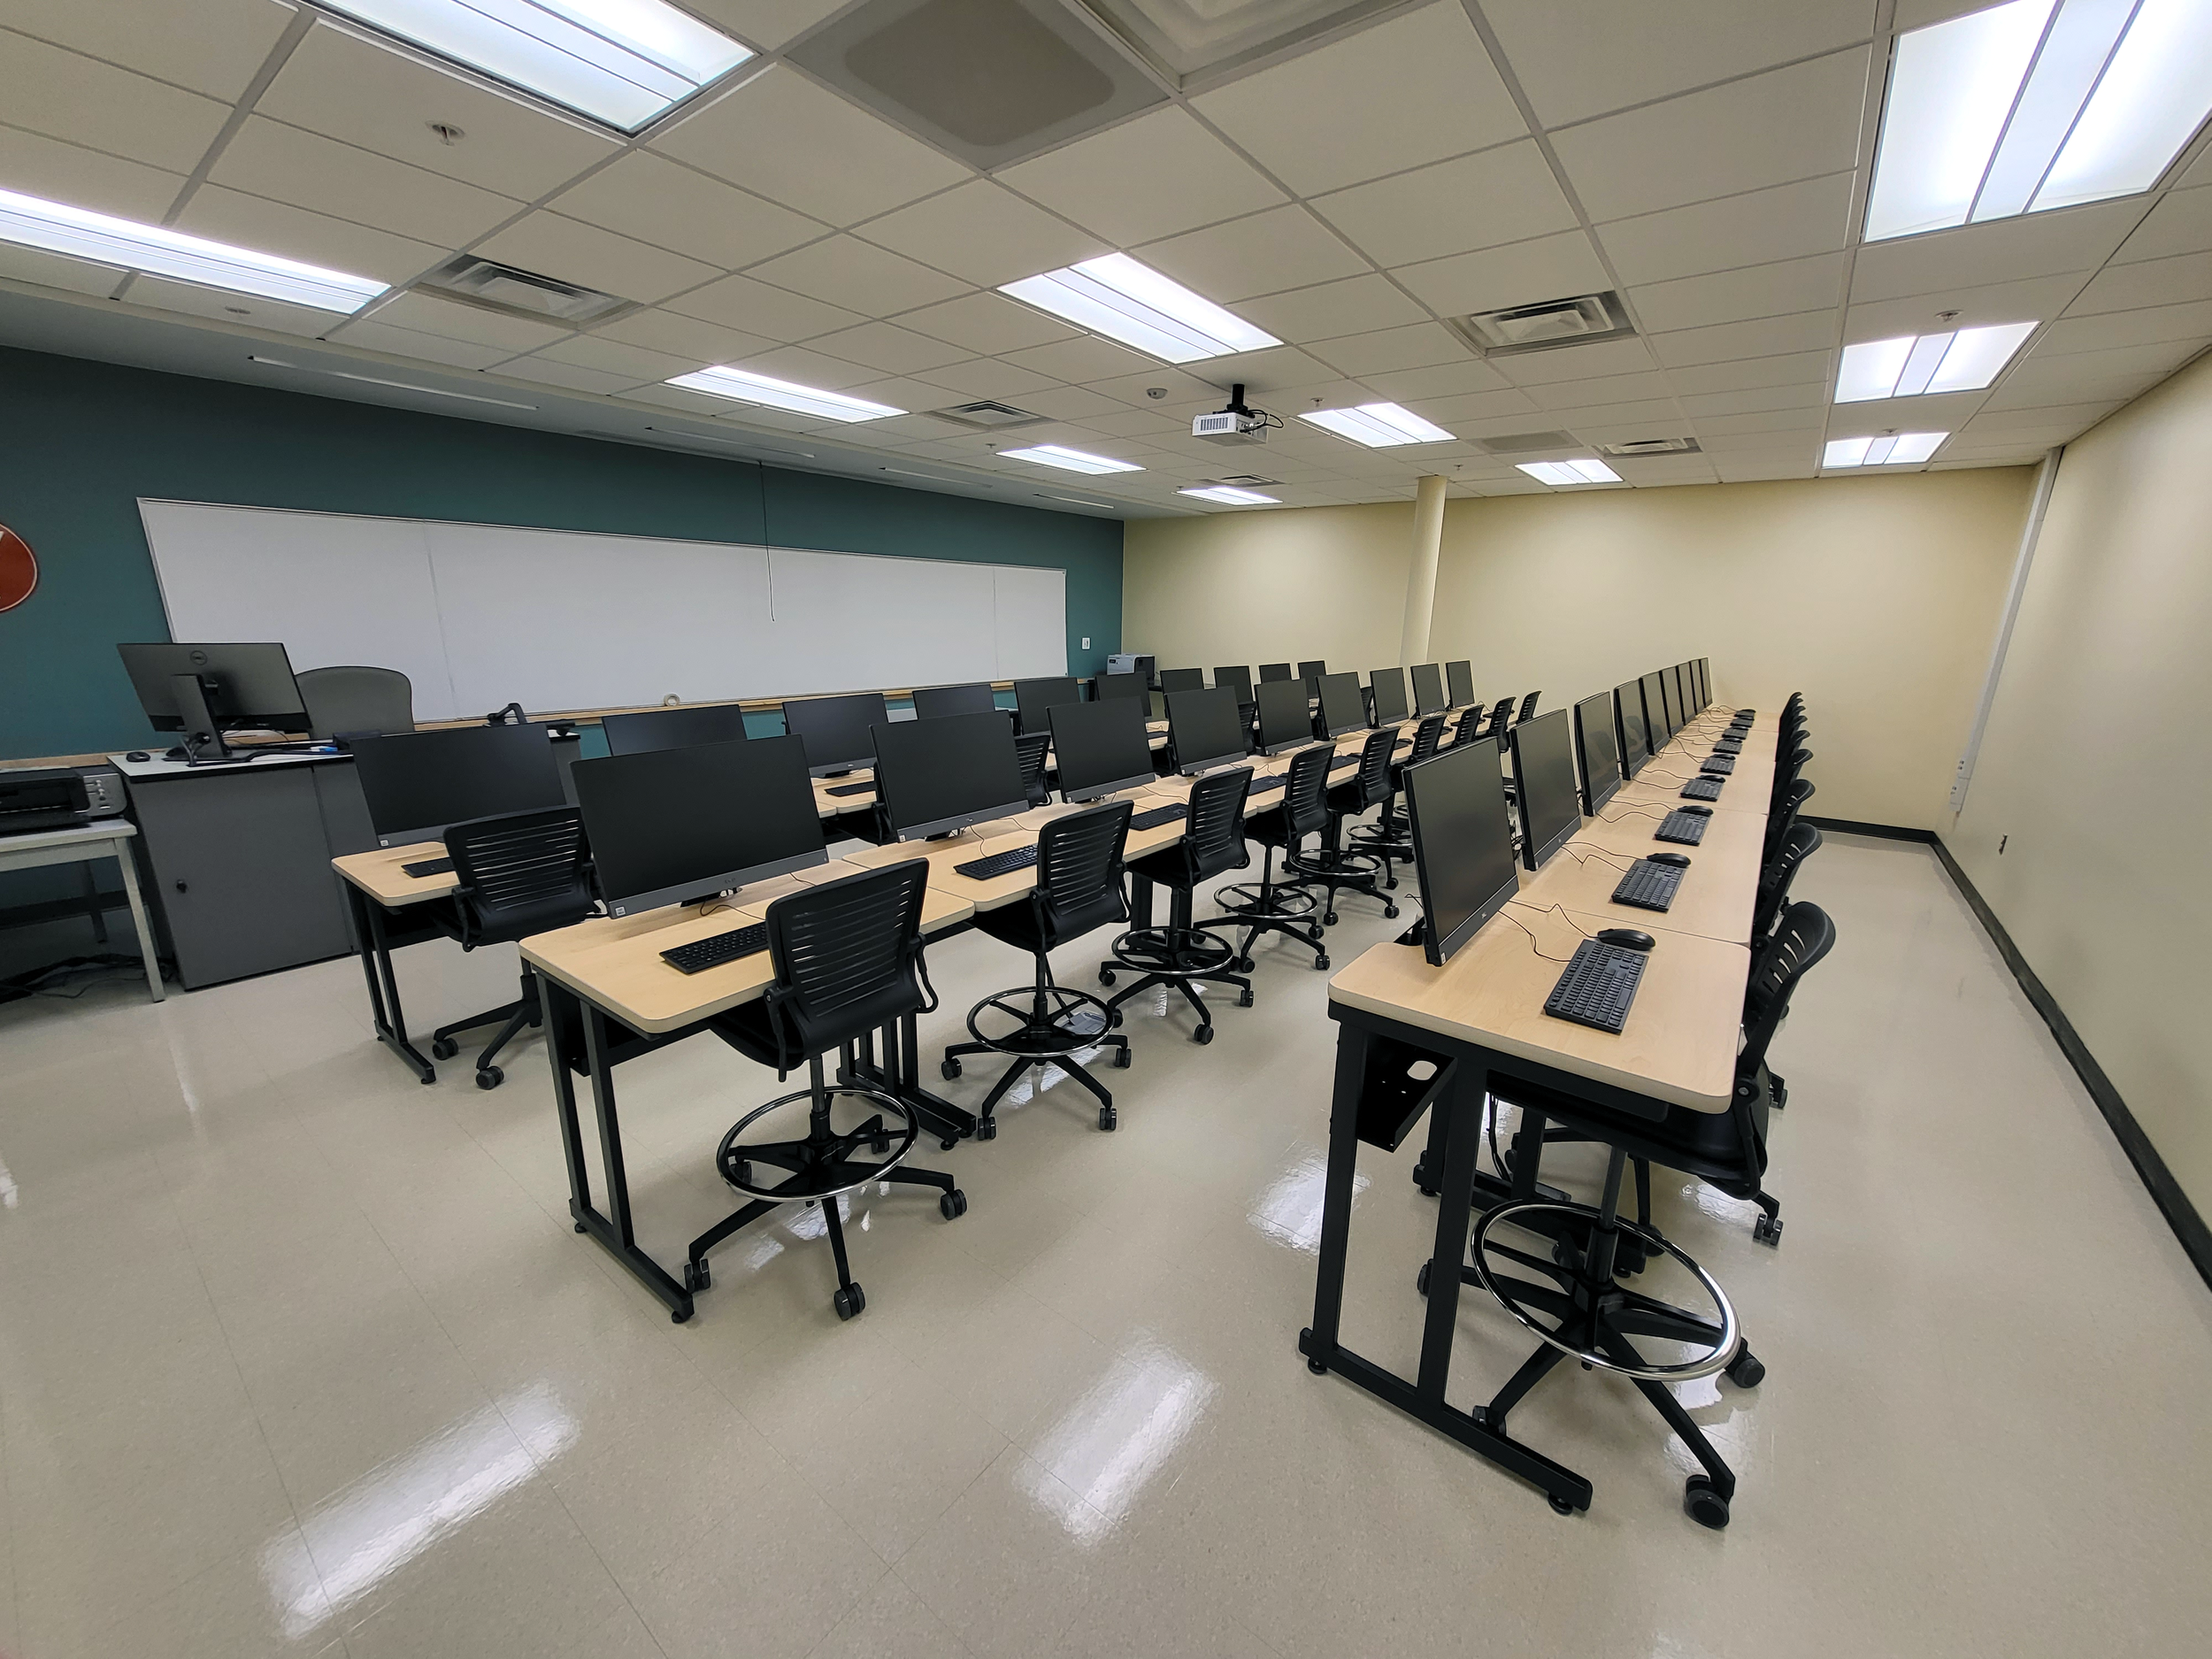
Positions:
{"x": 2171, "y": 281}
{"x": 1284, "y": 248}
{"x": 51, "y": 269}
{"x": 1415, "y": 346}
{"x": 890, "y": 348}
{"x": 990, "y": 377}
{"x": 1810, "y": 330}
{"x": 74, "y": 98}
{"x": 2182, "y": 223}
{"x": 1575, "y": 363}
{"x": 1080, "y": 402}
{"x": 1940, "y": 413}
{"x": 656, "y": 201}
{"x": 806, "y": 367}
{"x": 210, "y": 46}
{"x": 1611, "y": 423}
{"x": 742, "y": 302}
{"x": 2158, "y": 357}
{"x": 1444, "y": 381}
{"x": 1769, "y": 129}
{"x": 844, "y": 271}
{"x": 2003, "y": 251}
{"x": 1081, "y": 359}
{"x": 569, "y": 376}
{"x": 1422, "y": 86}
{"x": 984, "y": 232}
{"x": 1124, "y": 422}
{"x": 1145, "y": 179}
{"x": 372, "y": 335}
{"x": 569, "y": 249}
{"x": 288, "y": 164}
{"x": 294, "y": 232}
{"x": 683, "y": 336}
{"x": 245, "y": 310}
{"x": 1770, "y": 420}
{"x": 1523, "y": 274}
{"x": 679, "y": 398}
{"x": 1759, "y": 227}
{"x": 1350, "y": 305}
{"x": 986, "y": 324}
{"x": 346, "y": 87}
{"x": 1740, "y": 296}
{"x": 2001, "y": 422}
{"x": 39, "y": 165}
{"x": 432, "y": 316}
{"x": 1665, "y": 469}
{"x": 767, "y": 24}
{"x": 1601, "y": 388}
{"x": 1464, "y": 407}
{"x": 1273, "y": 371}
{"x": 2036, "y": 299}
{"x": 1480, "y": 201}
{"x": 1805, "y": 394}
{"x": 2146, "y": 327}
{"x": 1743, "y": 374}
{"x": 635, "y": 363}
{"x": 1747, "y": 470}
{"x": 1763, "y": 444}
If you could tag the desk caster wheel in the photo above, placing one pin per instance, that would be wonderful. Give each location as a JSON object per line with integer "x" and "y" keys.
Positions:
{"x": 1203, "y": 1035}
{"x": 1767, "y": 1230}
{"x": 1390, "y": 912}
{"x": 1244, "y": 998}
{"x": 489, "y": 1077}
{"x": 848, "y": 1300}
{"x": 952, "y": 1205}
{"x": 1105, "y": 976}
{"x": 443, "y": 1048}
{"x": 1321, "y": 961}
{"x": 949, "y": 1070}
{"x": 1701, "y": 1501}
{"x": 1421, "y": 1279}
{"x": 1109, "y": 1119}
{"x": 986, "y": 1130}
{"x": 1747, "y": 1369}
{"x": 697, "y": 1277}
{"x": 1560, "y": 1506}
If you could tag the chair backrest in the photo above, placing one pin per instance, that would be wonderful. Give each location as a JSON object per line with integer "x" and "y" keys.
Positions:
{"x": 520, "y": 873}
{"x": 1078, "y": 873}
{"x": 1780, "y": 821}
{"x": 1469, "y": 727}
{"x": 1213, "y": 834}
{"x": 1426, "y": 736}
{"x": 1305, "y": 797}
{"x": 1799, "y": 841}
{"x": 1785, "y": 773}
{"x": 1499, "y": 717}
{"x": 846, "y": 956}
{"x": 1030, "y": 752}
{"x": 1370, "y": 784}
{"x": 357, "y": 700}
{"x": 1805, "y": 936}
{"x": 1528, "y": 707}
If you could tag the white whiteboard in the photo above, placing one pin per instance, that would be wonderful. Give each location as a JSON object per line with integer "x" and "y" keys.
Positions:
{"x": 478, "y": 615}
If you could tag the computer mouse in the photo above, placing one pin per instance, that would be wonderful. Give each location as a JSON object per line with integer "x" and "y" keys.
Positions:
{"x": 1675, "y": 859}
{"x": 1696, "y": 812}
{"x": 138, "y": 754}
{"x": 1626, "y": 938}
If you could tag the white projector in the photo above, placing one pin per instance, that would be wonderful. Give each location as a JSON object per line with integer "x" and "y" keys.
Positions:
{"x": 1230, "y": 426}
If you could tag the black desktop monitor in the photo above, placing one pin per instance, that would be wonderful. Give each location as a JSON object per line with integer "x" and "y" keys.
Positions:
{"x": 1207, "y": 729}
{"x": 1033, "y": 697}
{"x": 1238, "y": 678}
{"x": 941, "y": 775}
{"x": 1459, "y": 682}
{"x": 1101, "y": 748}
{"x": 1182, "y": 679}
{"x": 1274, "y": 671}
{"x": 1671, "y": 679}
{"x": 242, "y": 686}
{"x": 1704, "y": 684}
{"x": 1389, "y": 686}
{"x": 1600, "y": 754}
{"x": 931, "y": 702}
{"x": 1686, "y": 682}
{"x": 1342, "y": 708}
{"x": 415, "y": 783}
{"x": 1628, "y": 721}
{"x": 840, "y": 731}
{"x": 674, "y": 728}
{"x": 1428, "y": 688}
{"x": 1286, "y": 718}
{"x": 1544, "y": 781}
{"x": 1311, "y": 671}
{"x": 1462, "y": 844}
{"x": 1657, "y": 731}
{"x": 675, "y": 826}
{"x": 1131, "y": 686}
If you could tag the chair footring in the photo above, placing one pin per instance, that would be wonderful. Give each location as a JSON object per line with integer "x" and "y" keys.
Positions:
{"x": 1171, "y": 952}
{"x": 1037, "y": 1022}
{"x": 822, "y": 1165}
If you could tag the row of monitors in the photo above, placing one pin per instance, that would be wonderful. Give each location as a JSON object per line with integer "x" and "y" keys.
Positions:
{"x": 1435, "y": 685}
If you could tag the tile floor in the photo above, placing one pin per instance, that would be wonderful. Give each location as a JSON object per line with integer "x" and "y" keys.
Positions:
{"x": 299, "y": 1357}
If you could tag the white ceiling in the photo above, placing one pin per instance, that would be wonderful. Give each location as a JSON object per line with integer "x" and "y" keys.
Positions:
{"x": 1708, "y": 158}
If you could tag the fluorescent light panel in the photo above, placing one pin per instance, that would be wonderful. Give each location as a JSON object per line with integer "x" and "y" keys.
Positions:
{"x": 1903, "y": 449}
{"x": 1229, "y": 495}
{"x": 1379, "y": 426}
{"x": 623, "y": 62}
{"x": 1071, "y": 460}
{"x": 2032, "y": 105}
{"x": 1566, "y": 474}
{"x": 1117, "y": 296}
{"x": 1912, "y": 365}
{"x": 79, "y": 234}
{"x": 744, "y": 387}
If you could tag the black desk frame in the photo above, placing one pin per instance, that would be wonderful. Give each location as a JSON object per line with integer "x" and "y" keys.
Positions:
{"x": 373, "y": 927}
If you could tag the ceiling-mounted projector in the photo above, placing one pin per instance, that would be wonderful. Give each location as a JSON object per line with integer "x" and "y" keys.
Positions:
{"x": 1235, "y": 423}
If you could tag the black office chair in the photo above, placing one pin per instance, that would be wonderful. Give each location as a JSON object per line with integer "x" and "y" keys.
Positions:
{"x": 1528, "y": 707}
{"x": 1500, "y": 717}
{"x": 1798, "y": 843}
{"x": 1778, "y": 823}
{"x": 1469, "y": 727}
{"x": 1339, "y": 868}
{"x": 847, "y": 961}
{"x": 1045, "y": 1024}
{"x": 1030, "y": 751}
{"x": 1182, "y": 954}
{"x": 520, "y": 873}
{"x": 1288, "y": 909}
{"x": 1391, "y": 837}
{"x": 356, "y": 699}
{"x": 1583, "y": 1312}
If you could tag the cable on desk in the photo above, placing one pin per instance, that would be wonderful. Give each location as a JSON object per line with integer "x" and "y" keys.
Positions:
{"x": 1633, "y": 811}
{"x": 1601, "y": 854}
{"x": 1534, "y": 943}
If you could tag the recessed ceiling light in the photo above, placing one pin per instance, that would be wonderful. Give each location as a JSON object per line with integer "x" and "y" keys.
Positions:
{"x": 1566, "y": 474}
{"x": 427, "y": 391}
{"x": 1073, "y": 460}
{"x": 1379, "y": 426}
{"x": 1914, "y": 365}
{"x": 1133, "y": 304}
{"x": 746, "y": 388}
{"x": 1229, "y": 495}
{"x": 2032, "y": 105}
{"x": 622, "y": 63}
{"x": 1903, "y": 449}
{"x": 158, "y": 250}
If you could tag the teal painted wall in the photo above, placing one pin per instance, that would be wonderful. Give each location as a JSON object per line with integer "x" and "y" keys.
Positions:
{"x": 81, "y": 442}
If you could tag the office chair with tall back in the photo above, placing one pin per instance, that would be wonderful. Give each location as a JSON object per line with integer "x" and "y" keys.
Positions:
{"x": 1500, "y": 717}
{"x": 1335, "y": 867}
{"x": 1030, "y": 750}
{"x": 1182, "y": 954}
{"x": 1528, "y": 707}
{"x": 1265, "y": 908}
{"x": 1390, "y": 837}
{"x": 1046, "y": 1024}
{"x": 1778, "y": 824}
{"x": 351, "y": 699}
{"x": 1798, "y": 843}
{"x": 847, "y": 957}
{"x": 519, "y": 874}
{"x": 1469, "y": 727}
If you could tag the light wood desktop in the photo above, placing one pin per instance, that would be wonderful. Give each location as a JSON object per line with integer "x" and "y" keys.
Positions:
{"x": 1731, "y": 847}
{"x": 1712, "y": 901}
{"x": 380, "y": 875}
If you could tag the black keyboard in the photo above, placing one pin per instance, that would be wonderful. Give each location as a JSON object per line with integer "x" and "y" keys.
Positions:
{"x": 1717, "y": 765}
{"x": 701, "y": 954}
{"x": 422, "y": 867}
{"x": 1158, "y": 816}
{"x": 1728, "y": 746}
{"x": 1341, "y": 762}
{"x": 1266, "y": 784}
{"x": 998, "y": 864}
{"x": 850, "y": 788}
{"x": 1598, "y": 986}
{"x": 1649, "y": 886}
{"x": 1701, "y": 789}
{"x": 1686, "y": 827}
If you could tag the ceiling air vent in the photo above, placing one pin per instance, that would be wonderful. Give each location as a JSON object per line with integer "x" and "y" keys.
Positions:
{"x": 1653, "y": 446}
{"x": 1545, "y": 327}
{"x": 1239, "y": 481}
{"x": 513, "y": 292}
{"x": 1531, "y": 442}
{"x": 986, "y": 416}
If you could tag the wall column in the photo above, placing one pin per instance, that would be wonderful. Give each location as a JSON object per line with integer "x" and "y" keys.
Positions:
{"x": 1428, "y": 541}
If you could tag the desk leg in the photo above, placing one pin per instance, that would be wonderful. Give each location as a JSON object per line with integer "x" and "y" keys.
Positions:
{"x": 1139, "y": 903}
{"x": 1461, "y": 1110}
{"x": 900, "y": 1075}
{"x": 1318, "y": 1341}
{"x": 376, "y": 967}
{"x": 138, "y": 920}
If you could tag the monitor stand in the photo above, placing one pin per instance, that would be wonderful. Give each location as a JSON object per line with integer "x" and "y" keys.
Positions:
{"x": 203, "y": 739}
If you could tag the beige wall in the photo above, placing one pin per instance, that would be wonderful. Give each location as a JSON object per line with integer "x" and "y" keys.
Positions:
{"x": 1877, "y": 597}
{"x": 2096, "y": 771}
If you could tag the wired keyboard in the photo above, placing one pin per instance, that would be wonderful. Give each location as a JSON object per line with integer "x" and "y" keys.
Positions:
{"x": 1719, "y": 764}
{"x": 1727, "y": 746}
{"x": 1701, "y": 789}
{"x": 1678, "y": 825}
{"x": 850, "y": 788}
{"x": 1266, "y": 784}
{"x": 1649, "y": 886}
{"x": 712, "y": 952}
{"x": 998, "y": 863}
{"x": 1598, "y": 985}
{"x": 1158, "y": 816}
{"x": 422, "y": 867}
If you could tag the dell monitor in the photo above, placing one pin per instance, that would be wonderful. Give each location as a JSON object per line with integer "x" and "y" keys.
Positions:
{"x": 1342, "y": 708}
{"x": 1237, "y": 678}
{"x": 1635, "y": 740}
{"x": 1033, "y": 697}
{"x": 1274, "y": 671}
{"x": 1686, "y": 692}
{"x": 1286, "y": 718}
{"x": 932, "y": 702}
{"x": 1310, "y": 671}
{"x": 1206, "y": 728}
{"x": 1704, "y": 684}
{"x": 1389, "y": 686}
{"x": 840, "y": 731}
{"x": 1130, "y": 686}
{"x": 1102, "y": 749}
{"x": 674, "y": 728}
{"x": 678, "y": 825}
{"x": 1544, "y": 781}
{"x": 205, "y": 690}
{"x": 415, "y": 783}
{"x": 1428, "y": 688}
{"x": 1657, "y": 731}
{"x": 1601, "y": 759}
{"x": 938, "y": 776}
{"x": 1182, "y": 679}
{"x": 1463, "y": 845}
{"x": 1459, "y": 683}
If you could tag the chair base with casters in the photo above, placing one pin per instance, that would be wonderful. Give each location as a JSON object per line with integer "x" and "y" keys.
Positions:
{"x": 1336, "y": 869}
{"x": 1057, "y": 1024}
{"x": 515, "y": 1015}
{"x": 1263, "y": 907}
{"x": 1181, "y": 954}
{"x": 824, "y": 1165}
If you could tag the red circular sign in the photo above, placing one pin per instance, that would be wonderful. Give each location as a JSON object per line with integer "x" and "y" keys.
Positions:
{"x": 19, "y": 570}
